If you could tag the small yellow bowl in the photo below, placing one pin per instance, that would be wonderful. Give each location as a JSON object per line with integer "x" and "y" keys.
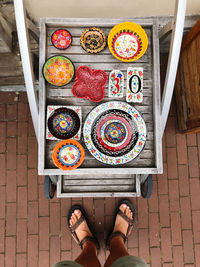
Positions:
{"x": 127, "y": 41}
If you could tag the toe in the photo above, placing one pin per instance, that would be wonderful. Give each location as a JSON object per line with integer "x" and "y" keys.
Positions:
{"x": 74, "y": 218}
{"x": 127, "y": 211}
{"x": 123, "y": 207}
{"x": 77, "y": 213}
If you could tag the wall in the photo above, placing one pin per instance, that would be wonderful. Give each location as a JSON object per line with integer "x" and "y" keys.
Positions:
{"x": 105, "y": 8}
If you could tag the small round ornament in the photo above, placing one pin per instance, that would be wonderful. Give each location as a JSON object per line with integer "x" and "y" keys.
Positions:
{"x": 93, "y": 40}
{"x": 61, "y": 39}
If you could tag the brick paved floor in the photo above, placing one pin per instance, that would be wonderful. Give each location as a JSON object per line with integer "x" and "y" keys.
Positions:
{"x": 33, "y": 231}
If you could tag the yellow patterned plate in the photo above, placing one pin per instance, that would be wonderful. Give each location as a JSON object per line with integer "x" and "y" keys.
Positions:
{"x": 127, "y": 41}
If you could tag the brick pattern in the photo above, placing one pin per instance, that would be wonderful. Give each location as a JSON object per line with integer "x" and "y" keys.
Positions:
{"x": 33, "y": 231}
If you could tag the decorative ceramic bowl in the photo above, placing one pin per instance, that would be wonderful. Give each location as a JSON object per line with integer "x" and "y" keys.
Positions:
{"x": 114, "y": 132}
{"x": 64, "y": 123}
{"x": 61, "y": 39}
{"x": 127, "y": 41}
{"x": 58, "y": 70}
{"x": 68, "y": 155}
{"x": 89, "y": 84}
{"x": 93, "y": 40}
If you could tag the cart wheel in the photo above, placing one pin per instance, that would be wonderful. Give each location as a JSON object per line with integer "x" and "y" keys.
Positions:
{"x": 146, "y": 187}
{"x": 49, "y": 188}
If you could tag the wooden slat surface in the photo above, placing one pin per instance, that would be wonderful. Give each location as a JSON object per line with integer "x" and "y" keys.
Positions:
{"x": 63, "y": 96}
{"x": 107, "y": 62}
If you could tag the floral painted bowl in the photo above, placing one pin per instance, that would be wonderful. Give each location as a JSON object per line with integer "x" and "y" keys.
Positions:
{"x": 68, "y": 155}
{"x": 58, "y": 70}
{"x": 61, "y": 39}
{"x": 127, "y": 41}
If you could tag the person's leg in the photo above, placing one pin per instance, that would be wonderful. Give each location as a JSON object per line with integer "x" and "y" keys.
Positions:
{"x": 88, "y": 256}
{"x": 117, "y": 247}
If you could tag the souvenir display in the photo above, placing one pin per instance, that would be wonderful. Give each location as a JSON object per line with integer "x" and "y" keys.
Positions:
{"x": 93, "y": 40}
{"x": 63, "y": 123}
{"x": 89, "y": 84}
{"x": 61, "y": 39}
{"x": 116, "y": 84}
{"x": 114, "y": 132}
{"x": 134, "y": 91}
{"x": 68, "y": 155}
{"x": 51, "y": 109}
{"x": 127, "y": 41}
{"x": 58, "y": 70}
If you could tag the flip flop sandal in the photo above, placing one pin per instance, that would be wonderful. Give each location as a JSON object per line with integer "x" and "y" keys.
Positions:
{"x": 75, "y": 226}
{"x": 128, "y": 220}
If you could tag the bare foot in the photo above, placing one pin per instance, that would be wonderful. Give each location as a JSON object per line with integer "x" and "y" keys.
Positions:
{"x": 82, "y": 230}
{"x": 120, "y": 224}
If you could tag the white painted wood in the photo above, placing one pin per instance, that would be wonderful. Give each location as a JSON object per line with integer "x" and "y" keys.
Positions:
{"x": 94, "y": 171}
{"x": 42, "y": 101}
{"x": 24, "y": 46}
{"x": 62, "y": 192}
{"x": 174, "y": 53}
{"x": 157, "y": 101}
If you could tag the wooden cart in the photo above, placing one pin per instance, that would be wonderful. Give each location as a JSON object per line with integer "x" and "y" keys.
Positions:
{"x": 94, "y": 178}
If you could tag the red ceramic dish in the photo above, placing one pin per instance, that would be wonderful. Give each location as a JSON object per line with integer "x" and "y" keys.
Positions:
{"x": 61, "y": 39}
{"x": 90, "y": 84}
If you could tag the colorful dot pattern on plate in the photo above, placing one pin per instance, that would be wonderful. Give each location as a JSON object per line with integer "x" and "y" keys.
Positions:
{"x": 63, "y": 123}
{"x": 127, "y": 41}
{"x": 58, "y": 70}
{"x": 115, "y": 132}
{"x": 99, "y": 138}
{"x": 50, "y": 111}
{"x": 61, "y": 39}
{"x": 69, "y": 155}
{"x": 126, "y": 45}
{"x": 131, "y": 112}
{"x": 134, "y": 92}
{"x": 116, "y": 84}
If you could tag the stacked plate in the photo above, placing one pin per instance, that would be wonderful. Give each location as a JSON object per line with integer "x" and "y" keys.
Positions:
{"x": 114, "y": 132}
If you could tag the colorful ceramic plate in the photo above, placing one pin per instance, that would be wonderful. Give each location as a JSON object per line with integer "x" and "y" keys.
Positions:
{"x": 61, "y": 39}
{"x": 89, "y": 84}
{"x": 127, "y": 41}
{"x": 64, "y": 123}
{"x": 114, "y": 132}
{"x": 58, "y": 70}
{"x": 68, "y": 155}
{"x": 93, "y": 40}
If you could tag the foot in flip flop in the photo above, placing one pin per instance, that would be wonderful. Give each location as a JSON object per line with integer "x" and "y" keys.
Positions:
{"x": 78, "y": 226}
{"x": 121, "y": 224}
{"x": 82, "y": 230}
{"x": 124, "y": 220}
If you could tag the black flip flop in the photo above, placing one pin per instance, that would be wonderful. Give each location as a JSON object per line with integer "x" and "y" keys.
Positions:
{"x": 80, "y": 220}
{"x": 128, "y": 220}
